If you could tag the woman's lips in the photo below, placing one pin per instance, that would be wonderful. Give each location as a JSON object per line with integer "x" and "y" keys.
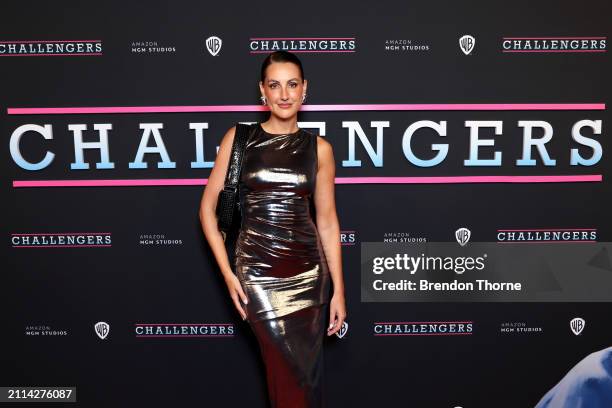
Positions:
{"x": 284, "y": 105}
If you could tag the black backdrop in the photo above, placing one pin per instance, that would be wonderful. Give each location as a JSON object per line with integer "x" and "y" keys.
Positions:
{"x": 66, "y": 290}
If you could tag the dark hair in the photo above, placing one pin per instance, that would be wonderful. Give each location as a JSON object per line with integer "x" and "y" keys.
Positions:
{"x": 280, "y": 56}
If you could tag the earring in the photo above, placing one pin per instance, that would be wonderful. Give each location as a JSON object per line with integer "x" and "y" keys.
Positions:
{"x": 263, "y": 100}
{"x": 304, "y": 97}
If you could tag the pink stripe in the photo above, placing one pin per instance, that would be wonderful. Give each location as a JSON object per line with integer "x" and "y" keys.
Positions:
{"x": 457, "y": 107}
{"x": 554, "y": 38}
{"x": 50, "y": 55}
{"x": 426, "y": 334}
{"x": 185, "y": 335}
{"x": 183, "y": 324}
{"x": 313, "y": 108}
{"x": 338, "y": 180}
{"x": 46, "y": 41}
{"x": 418, "y": 322}
{"x": 554, "y": 51}
{"x": 543, "y": 242}
{"x": 302, "y": 38}
{"x": 137, "y": 109}
{"x": 109, "y": 183}
{"x": 67, "y": 233}
{"x": 296, "y": 51}
{"x": 468, "y": 179}
{"x": 549, "y": 229}
{"x": 59, "y": 246}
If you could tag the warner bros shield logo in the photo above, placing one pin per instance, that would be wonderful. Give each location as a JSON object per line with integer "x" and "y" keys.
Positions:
{"x": 213, "y": 45}
{"x": 343, "y": 329}
{"x": 467, "y": 44}
{"x": 577, "y": 325}
{"x": 102, "y": 329}
{"x": 462, "y": 235}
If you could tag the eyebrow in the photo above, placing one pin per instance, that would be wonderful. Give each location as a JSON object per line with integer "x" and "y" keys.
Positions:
{"x": 275, "y": 80}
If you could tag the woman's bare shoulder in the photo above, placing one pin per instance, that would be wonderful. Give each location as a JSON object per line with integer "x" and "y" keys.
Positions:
{"x": 229, "y": 135}
{"x": 324, "y": 146}
{"x": 325, "y": 153}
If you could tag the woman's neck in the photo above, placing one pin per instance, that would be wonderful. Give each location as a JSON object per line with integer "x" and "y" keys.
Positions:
{"x": 280, "y": 127}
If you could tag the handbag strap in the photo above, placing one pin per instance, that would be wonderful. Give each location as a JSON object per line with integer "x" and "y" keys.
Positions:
{"x": 235, "y": 164}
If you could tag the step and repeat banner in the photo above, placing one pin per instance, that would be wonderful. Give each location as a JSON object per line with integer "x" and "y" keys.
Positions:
{"x": 472, "y": 187}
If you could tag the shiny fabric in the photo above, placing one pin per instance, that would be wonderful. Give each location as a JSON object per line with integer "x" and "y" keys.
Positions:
{"x": 281, "y": 264}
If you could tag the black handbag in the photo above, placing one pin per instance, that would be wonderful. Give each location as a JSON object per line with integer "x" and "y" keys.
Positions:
{"x": 228, "y": 204}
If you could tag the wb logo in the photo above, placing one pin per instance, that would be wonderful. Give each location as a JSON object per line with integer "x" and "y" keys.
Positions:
{"x": 340, "y": 333}
{"x": 577, "y": 325}
{"x": 213, "y": 45}
{"x": 467, "y": 43}
{"x": 463, "y": 236}
{"x": 102, "y": 329}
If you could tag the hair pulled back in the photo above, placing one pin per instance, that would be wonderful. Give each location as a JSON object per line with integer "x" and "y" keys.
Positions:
{"x": 280, "y": 56}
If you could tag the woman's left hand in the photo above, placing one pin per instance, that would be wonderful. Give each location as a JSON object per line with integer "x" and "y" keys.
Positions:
{"x": 337, "y": 313}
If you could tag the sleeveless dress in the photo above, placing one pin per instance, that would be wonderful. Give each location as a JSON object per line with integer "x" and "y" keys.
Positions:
{"x": 281, "y": 264}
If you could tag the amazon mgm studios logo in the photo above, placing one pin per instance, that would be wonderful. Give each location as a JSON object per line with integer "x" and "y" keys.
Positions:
{"x": 40, "y": 330}
{"x": 402, "y": 236}
{"x": 151, "y": 47}
{"x": 154, "y": 239}
{"x": 518, "y": 328}
{"x": 405, "y": 45}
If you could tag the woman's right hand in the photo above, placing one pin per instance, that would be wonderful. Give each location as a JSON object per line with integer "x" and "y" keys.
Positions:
{"x": 237, "y": 294}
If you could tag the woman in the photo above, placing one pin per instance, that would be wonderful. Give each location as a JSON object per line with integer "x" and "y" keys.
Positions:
{"x": 284, "y": 260}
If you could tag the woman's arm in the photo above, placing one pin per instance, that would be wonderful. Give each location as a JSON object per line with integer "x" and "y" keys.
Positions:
{"x": 208, "y": 204}
{"x": 208, "y": 218}
{"x": 329, "y": 229}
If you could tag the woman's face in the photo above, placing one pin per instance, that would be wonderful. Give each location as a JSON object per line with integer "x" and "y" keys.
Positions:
{"x": 283, "y": 89}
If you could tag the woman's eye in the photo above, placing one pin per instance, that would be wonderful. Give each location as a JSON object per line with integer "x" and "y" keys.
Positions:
{"x": 293, "y": 84}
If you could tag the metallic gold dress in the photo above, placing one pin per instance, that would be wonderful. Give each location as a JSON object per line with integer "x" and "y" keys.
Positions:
{"x": 281, "y": 264}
